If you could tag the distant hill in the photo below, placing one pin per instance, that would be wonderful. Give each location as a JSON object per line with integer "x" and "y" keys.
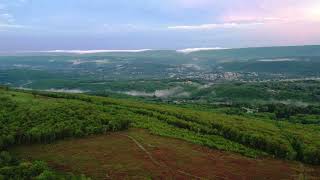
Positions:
{"x": 259, "y": 52}
{"x": 217, "y": 54}
{"x": 291, "y": 60}
{"x": 300, "y": 66}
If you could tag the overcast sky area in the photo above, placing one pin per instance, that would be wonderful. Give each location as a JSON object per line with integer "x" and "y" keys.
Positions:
{"x": 156, "y": 24}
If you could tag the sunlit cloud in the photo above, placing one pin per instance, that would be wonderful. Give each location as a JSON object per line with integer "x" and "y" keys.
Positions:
{"x": 254, "y": 19}
{"x": 313, "y": 12}
{"x": 280, "y": 11}
{"x": 190, "y": 50}
{"x": 215, "y": 26}
{"x": 96, "y": 51}
{"x": 204, "y": 26}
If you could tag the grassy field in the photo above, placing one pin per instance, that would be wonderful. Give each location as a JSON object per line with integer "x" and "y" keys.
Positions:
{"x": 119, "y": 156}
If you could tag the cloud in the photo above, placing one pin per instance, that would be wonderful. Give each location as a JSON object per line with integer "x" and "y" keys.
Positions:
{"x": 7, "y": 21}
{"x": 72, "y": 91}
{"x": 138, "y": 93}
{"x": 285, "y": 11}
{"x": 94, "y": 51}
{"x": 190, "y": 50}
{"x": 213, "y": 26}
{"x": 7, "y": 26}
{"x": 173, "y": 92}
{"x": 240, "y": 19}
{"x": 6, "y": 18}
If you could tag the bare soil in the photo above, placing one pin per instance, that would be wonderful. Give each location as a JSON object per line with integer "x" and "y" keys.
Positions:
{"x": 136, "y": 154}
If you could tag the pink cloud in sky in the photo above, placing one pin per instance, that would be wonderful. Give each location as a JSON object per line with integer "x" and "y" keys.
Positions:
{"x": 256, "y": 11}
{"x": 292, "y": 21}
{"x": 289, "y": 21}
{"x": 273, "y": 11}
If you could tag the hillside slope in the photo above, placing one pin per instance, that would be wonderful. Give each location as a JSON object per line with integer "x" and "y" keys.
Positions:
{"x": 41, "y": 117}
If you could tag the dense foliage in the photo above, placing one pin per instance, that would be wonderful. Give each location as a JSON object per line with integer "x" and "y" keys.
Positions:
{"x": 30, "y": 121}
{"x": 11, "y": 168}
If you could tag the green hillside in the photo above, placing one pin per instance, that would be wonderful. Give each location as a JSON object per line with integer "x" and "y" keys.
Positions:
{"x": 310, "y": 66}
{"x": 259, "y": 52}
{"x": 36, "y": 117}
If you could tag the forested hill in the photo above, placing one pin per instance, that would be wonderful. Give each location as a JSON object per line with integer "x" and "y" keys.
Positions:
{"x": 260, "y": 52}
{"x": 178, "y": 56}
{"x": 42, "y": 117}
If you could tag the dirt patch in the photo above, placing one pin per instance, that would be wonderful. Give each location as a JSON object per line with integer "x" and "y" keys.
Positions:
{"x": 136, "y": 154}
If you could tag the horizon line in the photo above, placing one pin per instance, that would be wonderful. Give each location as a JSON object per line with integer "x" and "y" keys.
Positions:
{"x": 183, "y": 50}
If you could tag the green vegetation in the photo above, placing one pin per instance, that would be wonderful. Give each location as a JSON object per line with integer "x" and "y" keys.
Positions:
{"x": 264, "y": 92}
{"x": 253, "y": 101}
{"x": 259, "y": 52}
{"x": 41, "y": 117}
{"x": 11, "y": 168}
{"x": 95, "y": 72}
{"x": 290, "y": 67}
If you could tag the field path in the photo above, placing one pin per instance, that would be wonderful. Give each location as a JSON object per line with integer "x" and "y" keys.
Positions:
{"x": 157, "y": 163}
{"x": 138, "y": 155}
{"x": 143, "y": 149}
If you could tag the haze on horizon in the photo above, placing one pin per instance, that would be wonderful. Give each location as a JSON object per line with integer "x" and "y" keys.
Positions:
{"x": 156, "y": 24}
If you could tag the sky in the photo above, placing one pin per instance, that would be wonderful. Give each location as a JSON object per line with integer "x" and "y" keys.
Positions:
{"x": 156, "y": 24}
